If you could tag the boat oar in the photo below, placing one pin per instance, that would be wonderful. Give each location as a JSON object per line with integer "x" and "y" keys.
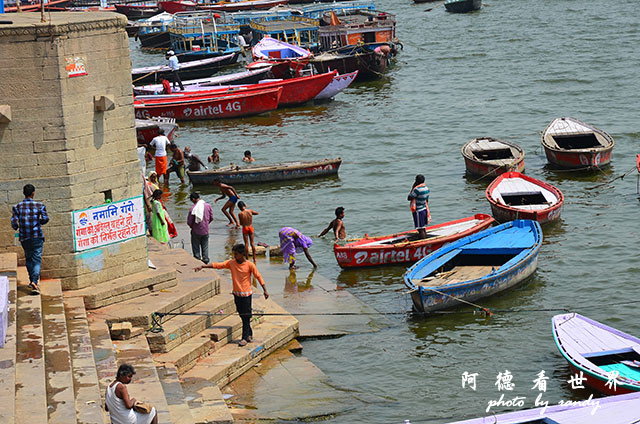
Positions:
{"x": 431, "y": 8}
{"x": 144, "y": 76}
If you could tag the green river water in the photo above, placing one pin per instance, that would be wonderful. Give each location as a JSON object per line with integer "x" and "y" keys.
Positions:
{"x": 505, "y": 71}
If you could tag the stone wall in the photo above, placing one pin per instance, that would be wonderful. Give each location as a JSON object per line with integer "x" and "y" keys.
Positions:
{"x": 56, "y": 140}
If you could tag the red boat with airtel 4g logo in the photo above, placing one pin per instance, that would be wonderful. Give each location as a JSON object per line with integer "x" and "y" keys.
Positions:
{"x": 406, "y": 247}
{"x": 187, "y": 108}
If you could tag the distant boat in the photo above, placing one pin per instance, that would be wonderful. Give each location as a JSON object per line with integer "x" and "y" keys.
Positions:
{"x": 219, "y": 106}
{"x": 513, "y": 195}
{"x": 267, "y": 173}
{"x": 272, "y": 49}
{"x": 339, "y": 83}
{"x": 176, "y": 6}
{"x": 235, "y": 6}
{"x": 245, "y": 77}
{"x": 477, "y": 266}
{"x": 406, "y": 247}
{"x": 140, "y": 10}
{"x": 489, "y": 157}
{"x": 598, "y": 351}
{"x": 569, "y": 143}
{"x": 153, "y": 32}
{"x": 147, "y": 129}
{"x": 622, "y": 409}
{"x": 34, "y": 7}
{"x": 187, "y": 70}
{"x": 462, "y": 6}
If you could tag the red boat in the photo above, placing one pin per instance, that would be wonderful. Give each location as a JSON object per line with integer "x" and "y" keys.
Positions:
{"x": 489, "y": 157}
{"x": 223, "y": 106}
{"x": 569, "y": 143}
{"x": 34, "y": 7}
{"x": 513, "y": 195}
{"x": 176, "y": 6}
{"x": 295, "y": 91}
{"x": 146, "y": 129}
{"x": 235, "y": 6}
{"x": 405, "y": 247}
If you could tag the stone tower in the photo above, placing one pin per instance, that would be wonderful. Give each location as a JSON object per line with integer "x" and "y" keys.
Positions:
{"x": 67, "y": 127}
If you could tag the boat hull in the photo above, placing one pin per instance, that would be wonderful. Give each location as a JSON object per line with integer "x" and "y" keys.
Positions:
{"x": 176, "y": 6}
{"x": 249, "y": 175}
{"x": 339, "y": 83}
{"x": 137, "y": 11}
{"x": 355, "y": 255}
{"x": 187, "y": 72}
{"x": 155, "y": 40}
{"x": 590, "y": 159}
{"x": 247, "y": 77}
{"x": 216, "y": 107}
{"x": 368, "y": 64}
{"x": 463, "y": 6}
{"x": 482, "y": 169}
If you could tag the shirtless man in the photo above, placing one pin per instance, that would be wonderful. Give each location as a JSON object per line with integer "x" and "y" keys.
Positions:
{"x": 339, "y": 230}
{"x": 215, "y": 156}
{"x": 246, "y": 220}
{"x": 247, "y": 157}
{"x": 177, "y": 163}
{"x": 228, "y": 208}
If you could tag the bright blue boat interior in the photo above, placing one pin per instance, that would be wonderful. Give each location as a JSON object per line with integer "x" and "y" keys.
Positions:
{"x": 281, "y": 53}
{"x": 500, "y": 247}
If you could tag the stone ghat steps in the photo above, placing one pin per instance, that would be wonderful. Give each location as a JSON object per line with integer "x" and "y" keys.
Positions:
{"x": 8, "y": 268}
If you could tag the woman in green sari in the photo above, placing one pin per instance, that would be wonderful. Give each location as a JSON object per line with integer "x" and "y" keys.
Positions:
{"x": 158, "y": 221}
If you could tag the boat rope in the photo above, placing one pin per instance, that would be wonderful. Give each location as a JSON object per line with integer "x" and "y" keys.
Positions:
{"x": 144, "y": 76}
{"x": 619, "y": 177}
{"x": 481, "y": 308}
{"x": 507, "y": 168}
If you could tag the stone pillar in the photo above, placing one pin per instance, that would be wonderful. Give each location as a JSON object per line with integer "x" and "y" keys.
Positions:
{"x": 67, "y": 127}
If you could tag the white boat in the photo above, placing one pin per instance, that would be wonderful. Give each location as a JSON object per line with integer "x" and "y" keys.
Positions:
{"x": 275, "y": 50}
{"x": 339, "y": 83}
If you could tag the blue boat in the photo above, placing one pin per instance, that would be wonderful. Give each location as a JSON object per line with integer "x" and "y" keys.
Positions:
{"x": 203, "y": 35}
{"x": 476, "y": 266}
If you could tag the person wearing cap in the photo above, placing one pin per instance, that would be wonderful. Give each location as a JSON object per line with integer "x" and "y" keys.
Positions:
{"x": 175, "y": 67}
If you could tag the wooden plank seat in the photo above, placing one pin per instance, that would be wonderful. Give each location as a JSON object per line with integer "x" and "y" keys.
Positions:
{"x": 456, "y": 275}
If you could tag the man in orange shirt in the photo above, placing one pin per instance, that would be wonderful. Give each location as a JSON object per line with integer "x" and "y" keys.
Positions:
{"x": 241, "y": 271}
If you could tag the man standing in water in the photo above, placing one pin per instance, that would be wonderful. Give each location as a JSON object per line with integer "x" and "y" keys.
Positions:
{"x": 160, "y": 143}
{"x": 28, "y": 217}
{"x": 337, "y": 225}
{"x": 228, "y": 208}
{"x": 419, "y": 197}
{"x": 194, "y": 162}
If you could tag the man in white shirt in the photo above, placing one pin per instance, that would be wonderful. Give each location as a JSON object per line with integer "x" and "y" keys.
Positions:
{"x": 174, "y": 65}
{"x": 160, "y": 143}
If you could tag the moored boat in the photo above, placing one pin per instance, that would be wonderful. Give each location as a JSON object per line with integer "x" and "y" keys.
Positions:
{"x": 406, "y": 247}
{"x": 489, "y": 157}
{"x": 339, "y": 83}
{"x": 513, "y": 195}
{"x": 220, "y": 106}
{"x": 462, "y": 6}
{"x": 272, "y": 49}
{"x": 147, "y": 129}
{"x": 171, "y": 6}
{"x": 569, "y": 143}
{"x": 267, "y": 173}
{"x": 362, "y": 58}
{"x": 599, "y": 352}
{"x": 187, "y": 70}
{"x": 477, "y": 266}
{"x": 622, "y": 409}
{"x": 141, "y": 10}
{"x": 153, "y": 32}
{"x": 235, "y": 6}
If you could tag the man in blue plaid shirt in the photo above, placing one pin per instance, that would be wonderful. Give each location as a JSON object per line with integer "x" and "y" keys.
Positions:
{"x": 28, "y": 217}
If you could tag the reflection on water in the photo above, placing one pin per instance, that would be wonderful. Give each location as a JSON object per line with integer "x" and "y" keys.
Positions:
{"x": 294, "y": 285}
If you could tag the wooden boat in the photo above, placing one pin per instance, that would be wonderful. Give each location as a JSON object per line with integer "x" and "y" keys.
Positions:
{"x": 569, "y": 143}
{"x": 153, "y": 32}
{"x": 236, "y": 6}
{"x": 268, "y": 173}
{"x": 462, "y": 6}
{"x": 406, "y": 247}
{"x": 489, "y": 157}
{"x": 146, "y": 129}
{"x": 272, "y": 49}
{"x": 622, "y": 409}
{"x": 513, "y": 195}
{"x": 295, "y": 91}
{"x": 138, "y": 10}
{"x": 477, "y": 266}
{"x": 362, "y": 58}
{"x": 339, "y": 83}
{"x": 598, "y": 351}
{"x": 238, "y": 78}
{"x": 297, "y": 30}
{"x": 172, "y": 7}
{"x": 34, "y": 7}
{"x": 222, "y": 106}
{"x": 188, "y": 70}
{"x": 356, "y": 26}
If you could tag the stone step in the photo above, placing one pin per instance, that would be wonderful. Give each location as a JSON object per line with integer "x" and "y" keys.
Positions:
{"x": 201, "y": 383}
{"x": 8, "y": 354}
{"x": 86, "y": 388}
{"x": 124, "y": 288}
{"x": 31, "y": 391}
{"x": 146, "y": 384}
{"x": 104, "y": 353}
{"x": 191, "y": 288}
{"x": 181, "y": 328}
{"x": 9, "y": 265}
{"x": 184, "y": 357}
{"x": 178, "y": 407}
{"x": 58, "y": 374}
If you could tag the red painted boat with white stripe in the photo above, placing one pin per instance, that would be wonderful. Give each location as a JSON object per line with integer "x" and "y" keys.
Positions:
{"x": 221, "y": 106}
{"x": 513, "y": 195}
{"x": 405, "y": 247}
{"x": 569, "y": 143}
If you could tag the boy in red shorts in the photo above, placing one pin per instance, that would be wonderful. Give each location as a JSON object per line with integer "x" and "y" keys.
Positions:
{"x": 246, "y": 220}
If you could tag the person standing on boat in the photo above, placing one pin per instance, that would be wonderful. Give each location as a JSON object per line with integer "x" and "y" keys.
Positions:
{"x": 419, "y": 198}
{"x": 229, "y": 206}
{"x": 175, "y": 68}
{"x": 28, "y": 218}
{"x": 194, "y": 162}
{"x": 199, "y": 218}
{"x": 160, "y": 144}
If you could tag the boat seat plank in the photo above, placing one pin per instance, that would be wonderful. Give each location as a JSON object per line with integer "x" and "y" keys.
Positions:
{"x": 439, "y": 232}
{"x": 510, "y": 186}
{"x": 624, "y": 370}
{"x": 513, "y": 238}
{"x": 590, "y": 339}
{"x": 456, "y": 275}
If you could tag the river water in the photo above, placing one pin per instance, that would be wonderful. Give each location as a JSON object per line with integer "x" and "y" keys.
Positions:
{"x": 505, "y": 71}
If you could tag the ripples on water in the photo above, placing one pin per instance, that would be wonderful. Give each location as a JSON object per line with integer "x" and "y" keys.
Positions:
{"x": 505, "y": 71}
